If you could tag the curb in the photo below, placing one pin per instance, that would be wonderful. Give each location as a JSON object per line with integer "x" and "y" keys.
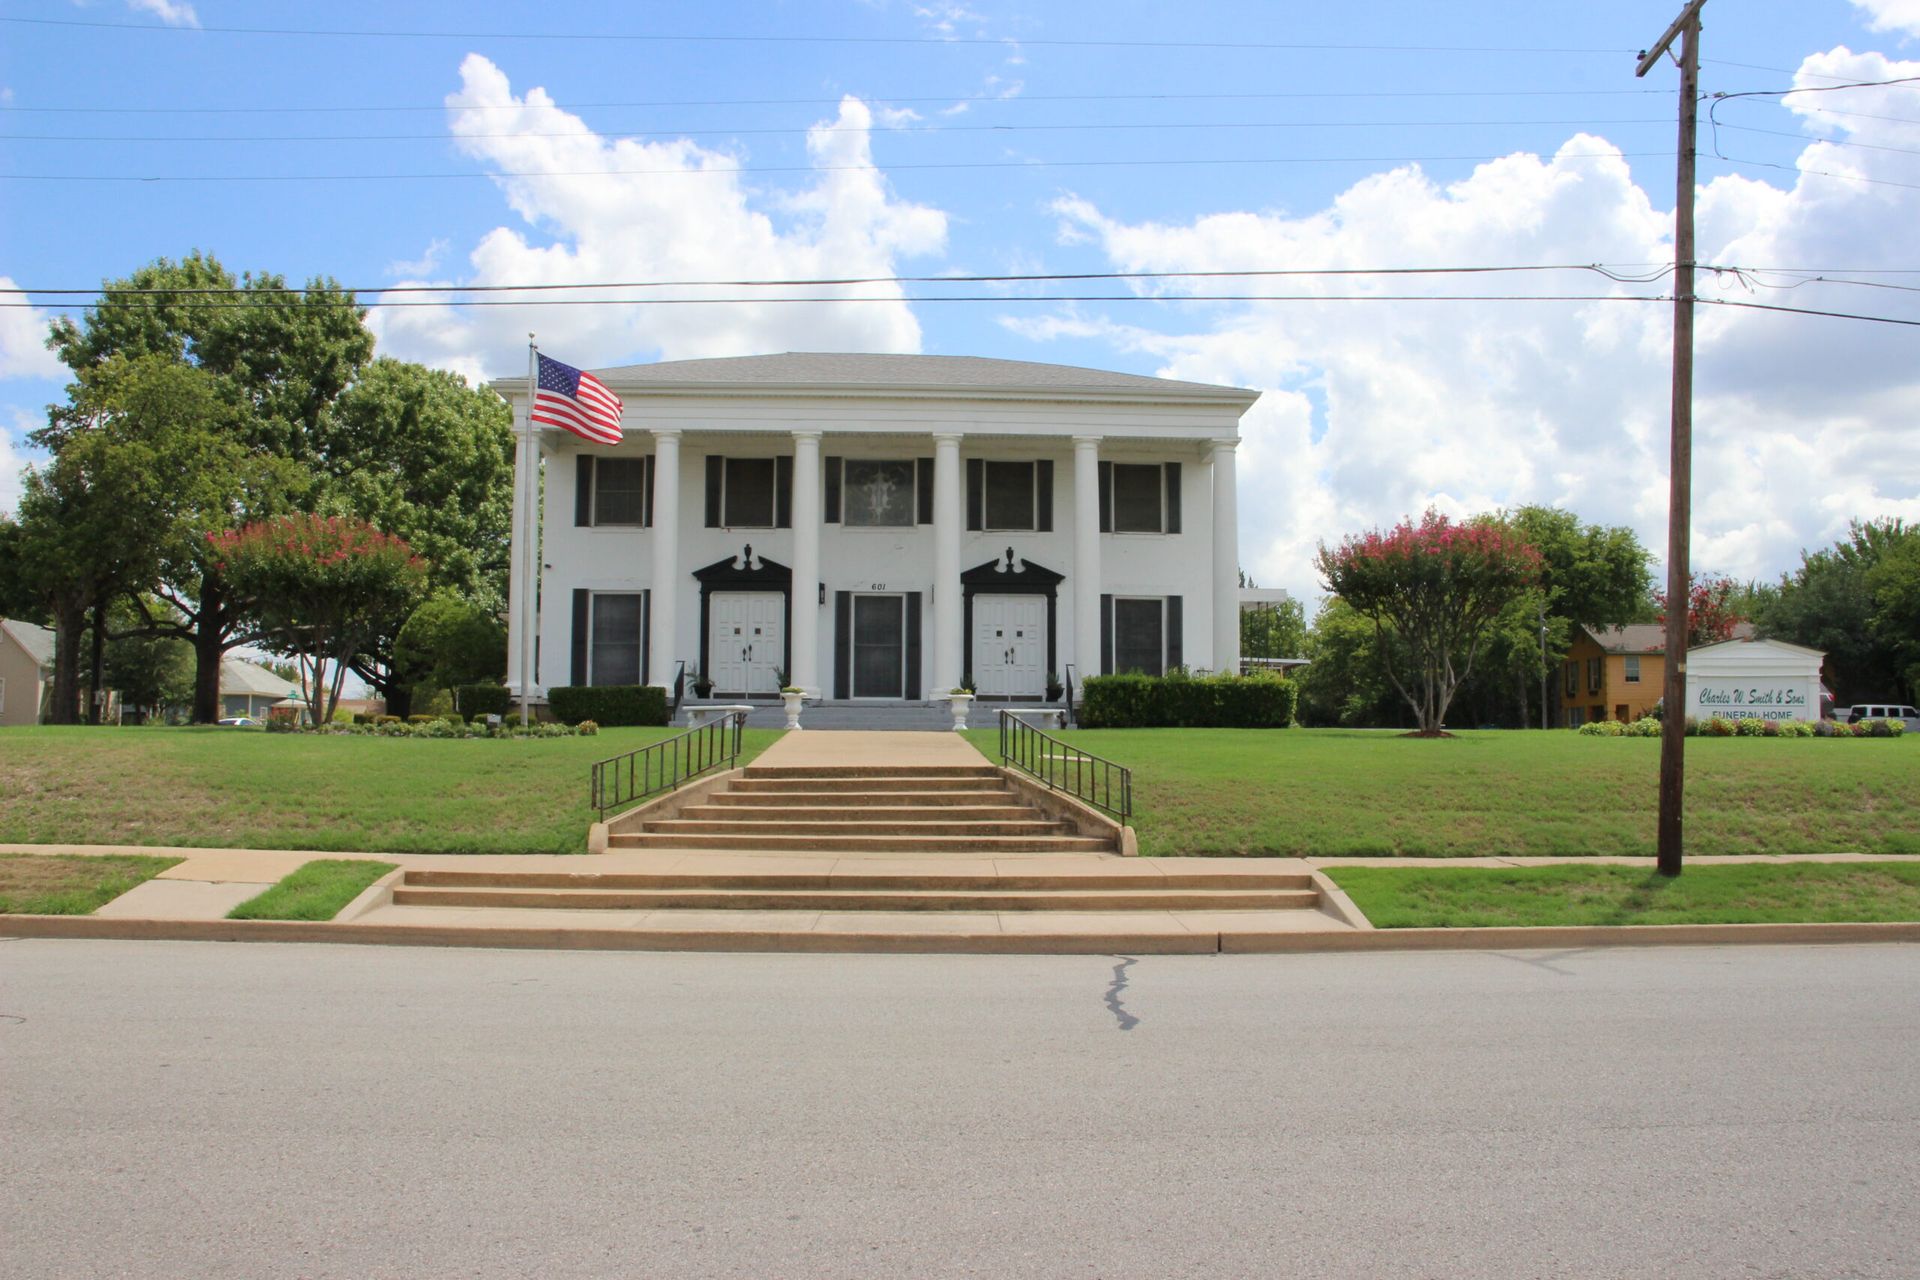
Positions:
{"x": 894, "y": 943}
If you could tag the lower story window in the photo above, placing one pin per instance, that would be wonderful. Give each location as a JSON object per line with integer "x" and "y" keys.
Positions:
{"x": 614, "y": 649}
{"x": 1139, "y": 636}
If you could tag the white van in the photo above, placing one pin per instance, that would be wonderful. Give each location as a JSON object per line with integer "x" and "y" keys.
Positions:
{"x": 1883, "y": 711}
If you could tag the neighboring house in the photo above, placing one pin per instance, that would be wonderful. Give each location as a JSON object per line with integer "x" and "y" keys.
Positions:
{"x": 883, "y": 527}
{"x": 1618, "y": 673}
{"x": 1612, "y": 673}
{"x": 26, "y": 671}
{"x": 248, "y": 689}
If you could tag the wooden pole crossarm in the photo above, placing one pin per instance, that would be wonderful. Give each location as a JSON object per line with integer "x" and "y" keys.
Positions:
{"x": 1651, "y": 56}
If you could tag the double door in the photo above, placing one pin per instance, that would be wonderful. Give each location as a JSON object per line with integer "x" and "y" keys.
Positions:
{"x": 1009, "y": 646}
{"x": 747, "y": 644}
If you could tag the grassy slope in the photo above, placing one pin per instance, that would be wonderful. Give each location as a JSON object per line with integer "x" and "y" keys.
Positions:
{"x": 233, "y": 788}
{"x": 45, "y": 885}
{"x": 315, "y": 891}
{"x": 1738, "y": 893}
{"x": 1333, "y": 792}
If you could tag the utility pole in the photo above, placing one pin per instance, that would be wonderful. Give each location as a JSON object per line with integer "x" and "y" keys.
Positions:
{"x": 1673, "y": 733}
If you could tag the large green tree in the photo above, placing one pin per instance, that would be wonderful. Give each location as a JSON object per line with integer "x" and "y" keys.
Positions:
{"x": 1590, "y": 576}
{"x": 448, "y": 642}
{"x": 278, "y": 360}
{"x": 1837, "y": 602}
{"x": 422, "y": 455}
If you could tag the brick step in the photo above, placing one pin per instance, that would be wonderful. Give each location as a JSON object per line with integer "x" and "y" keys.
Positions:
{"x": 1030, "y": 825}
{"x": 930, "y": 879}
{"x": 872, "y": 771}
{"x": 865, "y": 844}
{"x": 999, "y": 797}
{"x": 919, "y": 782}
{"x": 874, "y": 813}
{"x": 841, "y": 899}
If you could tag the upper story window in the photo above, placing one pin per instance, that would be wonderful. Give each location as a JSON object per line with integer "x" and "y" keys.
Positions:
{"x": 1010, "y": 497}
{"x": 1633, "y": 668}
{"x": 879, "y": 493}
{"x": 749, "y": 493}
{"x": 1573, "y": 677}
{"x": 1140, "y": 497}
{"x": 1595, "y": 667}
{"x": 613, "y": 491}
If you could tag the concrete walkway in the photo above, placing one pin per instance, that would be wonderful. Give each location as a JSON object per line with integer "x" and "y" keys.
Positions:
{"x": 878, "y": 747}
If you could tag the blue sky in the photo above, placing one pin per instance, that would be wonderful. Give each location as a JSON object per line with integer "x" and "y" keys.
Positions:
{"x": 882, "y": 139}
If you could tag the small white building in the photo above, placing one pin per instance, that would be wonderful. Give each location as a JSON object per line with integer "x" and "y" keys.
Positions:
{"x": 1754, "y": 679}
{"x": 883, "y": 527}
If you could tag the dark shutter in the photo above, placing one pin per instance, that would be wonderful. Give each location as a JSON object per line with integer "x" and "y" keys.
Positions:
{"x": 976, "y": 493}
{"x": 583, "y": 490}
{"x": 783, "y": 492}
{"x": 1106, "y": 497}
{"x": 1173, "y": 497}
{"x": 716, "y": 470}
{"x": 582, "y": 605}
{"x": 830, "y": 508}
{"x": 923, "y": 490}
{"x": 1106, "y": 633}
{"x": 842, "y": 641}
{"x": 648, "y": 465}
{"x": 1175, "y": 649}
{"x": 913, "y": 646}
{"x": 646, "y": 635}
{"x": 1043, "y": 487}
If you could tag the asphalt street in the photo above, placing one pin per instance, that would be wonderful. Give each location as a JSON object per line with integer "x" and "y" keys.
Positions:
{"x": 206, "y": 1109}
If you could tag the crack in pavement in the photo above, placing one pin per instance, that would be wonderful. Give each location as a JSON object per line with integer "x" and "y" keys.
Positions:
{"x": 1126, "y": 1020}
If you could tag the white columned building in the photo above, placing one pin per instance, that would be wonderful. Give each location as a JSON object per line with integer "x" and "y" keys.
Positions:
{"x": 881, "y": 528}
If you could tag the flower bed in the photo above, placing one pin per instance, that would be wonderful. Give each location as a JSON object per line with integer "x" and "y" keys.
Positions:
{"x": 1746, "y": 727}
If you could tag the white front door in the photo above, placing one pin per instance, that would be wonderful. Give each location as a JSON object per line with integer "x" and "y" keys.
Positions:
{"x": 747, "y": 641}
{"x": 1009, "y": 646}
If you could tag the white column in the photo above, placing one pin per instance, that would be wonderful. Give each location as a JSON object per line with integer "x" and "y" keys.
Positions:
{"x": 806, "y": 562}
{"x": 520, "y": 563}
{"x": 946, "y": 565}
{"x": 1086, "y": 556}
{"x": 1226, "y": 560}
{"x": 663, "y": 638}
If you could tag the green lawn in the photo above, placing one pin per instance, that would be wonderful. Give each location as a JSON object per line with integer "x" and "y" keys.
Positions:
{"x": 316, "y": 891}
{"x": 231, "y": 788}
{"x": 53, "y": 885}
{"x": 1736, "y": 893}
{"x": 1347, "y": 793}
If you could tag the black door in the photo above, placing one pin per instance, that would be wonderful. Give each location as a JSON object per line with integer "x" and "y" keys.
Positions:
{"x": 879, "y": 635}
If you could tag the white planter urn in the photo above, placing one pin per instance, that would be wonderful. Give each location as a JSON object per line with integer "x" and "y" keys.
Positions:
{"x": 793, "y": 703}
{"x": 958, "y": 704}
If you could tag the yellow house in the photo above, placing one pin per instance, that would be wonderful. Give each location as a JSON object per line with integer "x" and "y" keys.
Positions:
{"x": 1612, "y": 673}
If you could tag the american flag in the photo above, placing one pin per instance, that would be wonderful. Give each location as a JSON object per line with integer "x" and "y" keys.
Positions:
{"x": 571, "y": 398}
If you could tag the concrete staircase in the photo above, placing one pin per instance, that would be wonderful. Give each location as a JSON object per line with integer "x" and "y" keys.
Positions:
{"x": 909, "y": 809}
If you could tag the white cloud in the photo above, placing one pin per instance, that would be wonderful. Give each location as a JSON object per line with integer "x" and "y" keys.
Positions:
{"x": 1892, "y": 15}
{"x": 23, "y": 341}
{"x": 587, "y": 215}
{"x": 412, "y": 271}
{"x": 174, "y": 15}
{"x": 13, "y": 464}
{"x": 1374, "y": 410}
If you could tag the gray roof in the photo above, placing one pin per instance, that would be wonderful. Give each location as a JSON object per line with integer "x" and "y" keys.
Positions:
{"x": 238, "y": 676}
{"x": 37, "y": 641}
{"x": 827, "y": 370}
{"x": 1635, "y": 637}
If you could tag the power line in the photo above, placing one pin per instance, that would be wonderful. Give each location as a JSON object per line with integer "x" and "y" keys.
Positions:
{"x": 599, "y": 37}
{"x": 877, "y": 99}
{"x": 715, "y": 170}
{"x": 926, "y": 130}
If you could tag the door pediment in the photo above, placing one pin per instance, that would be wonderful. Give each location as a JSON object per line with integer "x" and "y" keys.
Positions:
{"x": 995, "y": 575}
{"x": 732, "y": 573}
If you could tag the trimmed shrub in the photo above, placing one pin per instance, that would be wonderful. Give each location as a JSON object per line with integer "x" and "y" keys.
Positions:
{"x": 453, "y": 718}
{"x": 1185, "y": 701}
{"x": 476, "y": 700}
{"x": 380, "y": 720}
{"x": 1645, "y": 727}
{"x": 422, "y": 719}
{"x": 620, "y": 704}
{"x": 1749, "y": 726}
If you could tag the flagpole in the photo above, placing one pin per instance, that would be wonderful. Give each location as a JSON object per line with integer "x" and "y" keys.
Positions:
{"x": 529, "y": 594}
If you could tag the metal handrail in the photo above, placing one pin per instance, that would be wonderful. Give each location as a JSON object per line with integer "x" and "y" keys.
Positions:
{"x": 623, "y": 779}
{"x": 679, "y": 690}
{"x": 1072, "y": 718}
{"x": 1081, "y": 774}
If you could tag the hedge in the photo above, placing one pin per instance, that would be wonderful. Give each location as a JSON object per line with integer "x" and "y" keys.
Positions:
{"x": 1258, "y": 701}
{"x": 614, "y": 704}
{"x": 476, "y": 700}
